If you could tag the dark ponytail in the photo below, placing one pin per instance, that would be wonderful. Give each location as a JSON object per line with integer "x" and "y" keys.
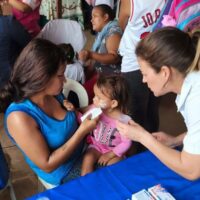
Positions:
{"x": 6, "y": 96}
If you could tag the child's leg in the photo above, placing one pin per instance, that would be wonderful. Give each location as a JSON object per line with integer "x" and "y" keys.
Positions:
{"x": 90, "y": 158}
{"x": 115, "y": 160}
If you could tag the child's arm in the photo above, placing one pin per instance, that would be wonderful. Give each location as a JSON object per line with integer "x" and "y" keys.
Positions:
{"x": 23, "y": 7}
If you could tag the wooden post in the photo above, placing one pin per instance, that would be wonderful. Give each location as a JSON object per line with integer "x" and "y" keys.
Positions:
{"x": 59, "y": 8}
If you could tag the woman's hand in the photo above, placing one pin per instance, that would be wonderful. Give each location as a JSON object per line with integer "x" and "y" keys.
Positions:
{"x": 88, "y": 124}
{"x": 84, "y": 55}
{"x": 132, "y": 130}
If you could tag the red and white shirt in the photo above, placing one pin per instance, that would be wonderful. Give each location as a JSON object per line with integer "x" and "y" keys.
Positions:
{"x": 143, "y": 15}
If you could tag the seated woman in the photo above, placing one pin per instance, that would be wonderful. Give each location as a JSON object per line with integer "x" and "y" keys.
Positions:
{"x": 13, "y": 38}
{"x": 103, "y": 55}
{"x": 46, "y": 133}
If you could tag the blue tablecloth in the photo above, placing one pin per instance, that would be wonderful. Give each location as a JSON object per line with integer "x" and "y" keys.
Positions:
{"x": 119, "y": 181}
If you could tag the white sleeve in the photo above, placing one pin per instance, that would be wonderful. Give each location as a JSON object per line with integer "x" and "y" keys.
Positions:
{"x": 32, "y": 3}
{"x": 192, "y": 112}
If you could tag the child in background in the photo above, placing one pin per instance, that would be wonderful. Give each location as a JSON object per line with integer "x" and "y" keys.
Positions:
{"x": 106, "y": 146}
{"x": 74, "y": 69}
{"x": 27, "y": 13}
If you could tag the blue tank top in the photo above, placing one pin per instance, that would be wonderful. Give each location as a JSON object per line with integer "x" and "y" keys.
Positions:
{"x": 56, "y": 133}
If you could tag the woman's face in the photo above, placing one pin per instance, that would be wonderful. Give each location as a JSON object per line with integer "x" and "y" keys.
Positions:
{"x": 55, "y": 85}
{"x": 156, "y": 81}
{"x": 98, "y": 20}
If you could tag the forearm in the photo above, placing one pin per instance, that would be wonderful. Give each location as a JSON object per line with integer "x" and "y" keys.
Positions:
{"x": 19, "y": 6}
{"x": 107, "y": 58}
{"x": 62, "y": 154}
{"x": 124, "y": 13}
{"x": 170, "y": 157}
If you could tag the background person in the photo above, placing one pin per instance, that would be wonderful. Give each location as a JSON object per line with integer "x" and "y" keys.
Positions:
{"x": 170, "y": 62}
{"x": 74, "y": 69}
{"x": 104, "y": 56}
{"x": 13, "y": 38}
{"x": 27, "y": 13}
{"x": 35, "y": 120}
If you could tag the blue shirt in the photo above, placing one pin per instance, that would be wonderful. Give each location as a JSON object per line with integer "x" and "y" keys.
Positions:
{"x": 13, "y": 38}
{"x": 56, "y": 133}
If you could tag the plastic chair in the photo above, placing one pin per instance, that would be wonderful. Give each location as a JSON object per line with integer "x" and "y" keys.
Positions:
{"x": 77, "y": 88}
{"x": 5, "y": 181}
{"x": 64, "y": 31}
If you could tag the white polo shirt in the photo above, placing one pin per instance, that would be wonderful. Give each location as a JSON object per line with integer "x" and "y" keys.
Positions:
{"x": 188, "y": 103}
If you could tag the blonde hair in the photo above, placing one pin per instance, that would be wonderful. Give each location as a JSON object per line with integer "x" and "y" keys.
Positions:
{"x": 195, "y": 66}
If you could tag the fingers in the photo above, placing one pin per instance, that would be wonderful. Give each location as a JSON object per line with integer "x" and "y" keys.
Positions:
{"x": 102, "y": 162}
{"x": 68, "y": 105}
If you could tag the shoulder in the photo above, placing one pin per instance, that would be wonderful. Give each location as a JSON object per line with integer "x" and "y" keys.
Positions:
{"x": 114, "y": 30}
{"x": 19, "y": 112}
{"x": 18, "y": 121}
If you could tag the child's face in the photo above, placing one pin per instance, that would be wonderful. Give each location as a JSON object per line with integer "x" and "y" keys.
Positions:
{"x": 102, "y": 100}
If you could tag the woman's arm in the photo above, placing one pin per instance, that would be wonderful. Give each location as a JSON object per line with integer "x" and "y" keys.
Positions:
{"x": 112, "y": 45}
{"x": 124, "y": 13}
{"x": 183, "y": 163}
{"x": 28, "y": 137}
{"x": 169, "y": 140}
{"x": 20, "y": 6}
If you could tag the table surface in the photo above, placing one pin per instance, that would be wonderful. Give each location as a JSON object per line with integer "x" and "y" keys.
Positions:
{"x": 119, "y": 181}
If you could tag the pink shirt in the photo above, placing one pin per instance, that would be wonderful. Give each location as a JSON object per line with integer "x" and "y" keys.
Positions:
{"x": 29, "y": 19}
{"x": 107, "y": 138}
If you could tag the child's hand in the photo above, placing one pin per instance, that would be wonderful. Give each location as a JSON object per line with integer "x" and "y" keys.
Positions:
{"x": 105, "y": 158}
{"x": 68, "y": 105}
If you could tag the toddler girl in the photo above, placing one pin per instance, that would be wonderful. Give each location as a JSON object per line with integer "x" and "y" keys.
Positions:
{"x": 106, "y": 145}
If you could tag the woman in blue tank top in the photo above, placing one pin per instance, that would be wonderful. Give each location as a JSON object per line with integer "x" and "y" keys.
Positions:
{"x": 46, "y": 133}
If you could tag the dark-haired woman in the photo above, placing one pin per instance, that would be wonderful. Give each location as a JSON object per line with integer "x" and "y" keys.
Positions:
{"x": 104, "y": 56}
{"x": 170, "y": 62}
{"x": 46, "y": 133}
